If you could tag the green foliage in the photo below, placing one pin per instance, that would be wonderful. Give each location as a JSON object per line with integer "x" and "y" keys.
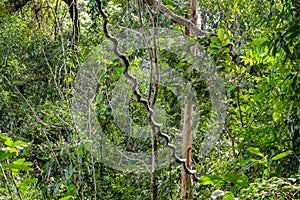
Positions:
{"x": 13, "y": 167}
{"x": 273, "y": 188}
{"x": 255, "y": 46}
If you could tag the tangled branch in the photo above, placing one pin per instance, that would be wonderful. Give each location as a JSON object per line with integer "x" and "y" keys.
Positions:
{"x": 180, "y": 20}
{"x": 138, "y": 95}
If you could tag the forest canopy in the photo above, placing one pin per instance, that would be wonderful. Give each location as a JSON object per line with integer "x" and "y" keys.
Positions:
{"x": 149, "y": 99}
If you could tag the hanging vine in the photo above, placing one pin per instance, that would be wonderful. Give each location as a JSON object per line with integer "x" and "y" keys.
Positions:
{"x": 135, "y": 82}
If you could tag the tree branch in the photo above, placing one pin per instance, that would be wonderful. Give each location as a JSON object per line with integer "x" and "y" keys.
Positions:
{"x": 138, "y": 95}
{"x": 179, "y": 19}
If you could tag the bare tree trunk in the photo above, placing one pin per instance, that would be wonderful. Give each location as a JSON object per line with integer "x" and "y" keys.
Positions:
{"x": 154, "y": 195}
{"x": 154, "y": 131}
{"x": 186, "y": 180}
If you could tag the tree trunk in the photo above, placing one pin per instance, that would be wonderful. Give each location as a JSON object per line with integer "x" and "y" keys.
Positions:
{"x": 154, "y": 185}
{"x": 186, "y": 180}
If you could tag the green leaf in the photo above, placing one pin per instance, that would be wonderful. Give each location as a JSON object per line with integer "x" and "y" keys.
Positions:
{"x": 28, "y": 181}
{"x": 207, "y": 180}
{"x": 66, "y": 198}
{"x": 4, "y": 137}
{"x": 221, "y": 35}
{"x": 282, "y": 155}
{"x": 263, "y": 162}
{"x": 19, "y": 161}
{"x": 266, "y": 172}
{"x": 242, "y": 181}
{"x": 215, "y": 40}
{"x": 230, "y": 177}
{"x": 8, "y": 143}
{"x": 258, "y": 42}
{"x": 255, "y": 151}
{"x": 276, "y": 116}
{"x": 26, "y": 184}
{"x": 4, "y": 155}
{"x": 228, "y": 196}
{"x": 7, "y": 152}
{"x": 20, "y": 144}
{"x": 17, "y": 166}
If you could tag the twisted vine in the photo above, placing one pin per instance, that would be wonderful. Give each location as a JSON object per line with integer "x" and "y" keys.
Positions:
{"x": 138, "y": 95}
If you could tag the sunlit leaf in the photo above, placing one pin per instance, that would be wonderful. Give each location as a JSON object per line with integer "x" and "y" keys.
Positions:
{"x": 282, "y": 155}
{"x": 17, "y": 166}
{"x": 215, "y": 40}
{"x": 228, "y": 196}
{"x": 255, "y": 151}
{"x": 66, "y": 198}
{"x": 207, "y": 180}
{"x": 220, "y": 33}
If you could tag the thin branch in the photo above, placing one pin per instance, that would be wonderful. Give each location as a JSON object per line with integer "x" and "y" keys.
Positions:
{"x": 239, "y": 105}
{"x": 154, "y": 135}
{"x": 180, "y": 20}
{"x": 147, "y": 46}
{"x": 154, "y": 18}
{"x": 138, "y": 95}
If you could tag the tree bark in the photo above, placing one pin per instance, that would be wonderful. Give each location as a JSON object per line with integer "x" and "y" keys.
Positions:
{"x": 154, "y": 184}
{"x": 189, "y": 23}
{"x": 186, "y": 180}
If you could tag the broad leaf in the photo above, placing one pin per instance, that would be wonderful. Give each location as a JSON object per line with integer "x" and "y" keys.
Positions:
{"x": 221, "y": 34}
{"x": 255, "y": 151}
{"x": 282, "y": 155}
{"x": 16, "y": 166}
{"x": 228, "y": 196}
{"x": 207, "y": 180}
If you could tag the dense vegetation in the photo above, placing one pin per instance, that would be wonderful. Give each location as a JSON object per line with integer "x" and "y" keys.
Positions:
{"x": 46, "y": 47}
